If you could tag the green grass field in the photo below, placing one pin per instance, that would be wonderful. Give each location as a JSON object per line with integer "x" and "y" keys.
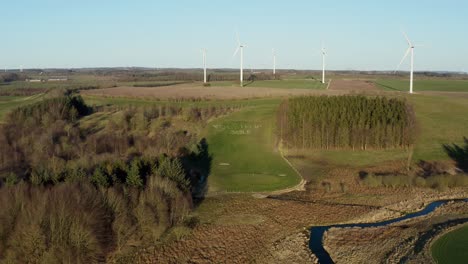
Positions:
{"x": 442, "y": 120}
{"x": 452, "y": 248}
{"x": 244, "y": 155}
{"x": 424, "y": 85}
{"x": 122, "y": 101}
{"x": 8, "y": 103}
{"x": 284, "y": 84}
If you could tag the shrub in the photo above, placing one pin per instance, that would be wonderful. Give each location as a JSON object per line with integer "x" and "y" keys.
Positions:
{"x": 133, "y": 175}
{"x": 99, "y": 178}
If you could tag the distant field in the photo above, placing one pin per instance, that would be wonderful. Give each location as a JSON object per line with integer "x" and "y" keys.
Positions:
{"x": 244, "y": 155}
{"x": 138, "y": 101}
{"x": 424, "y": 85}
{"x": 197, "y": 91}
{"x": 284, "y": 84}
{"x": 452, "y": 247}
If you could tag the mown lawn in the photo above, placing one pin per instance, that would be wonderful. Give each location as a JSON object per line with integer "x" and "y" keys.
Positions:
{"x": 244, "y": 155}
{"x": 452, "y": 248}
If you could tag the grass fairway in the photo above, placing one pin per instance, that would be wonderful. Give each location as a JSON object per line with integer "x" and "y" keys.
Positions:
{"x": 424, "y": 85}
{"x": 244, "y": 155}
{"x": 452, "y": 248}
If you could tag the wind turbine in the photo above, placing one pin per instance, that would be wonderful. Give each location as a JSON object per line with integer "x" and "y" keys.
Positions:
{"x": 241, "y": 48}
{"x": 274, "y": 61}
{"x": 324, "y": 53}
{"x": 410, "y": 49}
{"x": 204, "y": 65}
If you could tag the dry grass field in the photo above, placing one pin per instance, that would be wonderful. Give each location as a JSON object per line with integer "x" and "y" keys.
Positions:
{"x": 197, "y": 91}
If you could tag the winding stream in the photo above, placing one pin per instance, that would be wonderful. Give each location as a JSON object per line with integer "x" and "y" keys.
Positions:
{"x": 317, "y": 232}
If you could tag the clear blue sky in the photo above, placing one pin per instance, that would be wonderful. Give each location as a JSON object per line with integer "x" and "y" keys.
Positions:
{"x": 362, "y": 35}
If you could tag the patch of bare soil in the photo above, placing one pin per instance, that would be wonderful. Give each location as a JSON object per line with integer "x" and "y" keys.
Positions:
{"x": 192, "y": 91}
{"x": 352, "y": 85}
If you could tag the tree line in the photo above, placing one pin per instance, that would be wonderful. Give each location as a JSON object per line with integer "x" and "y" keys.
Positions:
{"x": 351, "y": 122}
{"x": 187, "y": 76}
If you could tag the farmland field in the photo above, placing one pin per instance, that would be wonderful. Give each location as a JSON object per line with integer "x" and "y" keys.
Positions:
{"x": 245, "y": 162}
{"x": 452, "y": 247}
{"x": 424, "y": 85}
{"x": 283, "y": 84}
{"x": 197, "y": 91}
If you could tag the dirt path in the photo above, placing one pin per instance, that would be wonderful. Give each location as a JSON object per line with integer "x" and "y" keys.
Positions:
{"x": 298, "y": 187}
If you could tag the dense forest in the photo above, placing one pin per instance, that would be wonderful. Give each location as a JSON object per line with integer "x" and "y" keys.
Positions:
{"x": 85, "y": 190}
{"x": 351, "y": 122}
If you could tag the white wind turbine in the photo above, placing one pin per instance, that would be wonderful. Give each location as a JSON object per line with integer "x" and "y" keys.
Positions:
{"x": 410, "y": 49}
{"x": 324, "y": 53}
{"x": 274, "y": 61}
{"x": 241, "y": 48}
{"x": 204, "y": 65}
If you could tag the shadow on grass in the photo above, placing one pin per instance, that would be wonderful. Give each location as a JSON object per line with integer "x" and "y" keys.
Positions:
{"x": 388, "y": 87}
{"x": 198, "y": 165}
{"x": 459, "y": 154}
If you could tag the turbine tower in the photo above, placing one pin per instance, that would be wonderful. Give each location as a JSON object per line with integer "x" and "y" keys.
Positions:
{"x": 241, "y": 48}
{"x": 274, "y": 61}
{"x": 408, "y": 51}
{"x": 204, "y": 65}
{"x": 323, "y": 63}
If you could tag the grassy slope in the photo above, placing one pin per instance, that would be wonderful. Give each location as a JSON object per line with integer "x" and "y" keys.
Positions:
{"x": 442, "y": 120}
{"x": 452, "y": 247}
{"x": 424, "y": 85}
{"x": 8, "y": 103}
{"x": 254, "y": 163}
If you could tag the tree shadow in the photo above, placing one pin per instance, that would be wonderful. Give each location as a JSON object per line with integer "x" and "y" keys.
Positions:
{"x": 459, "y": 154}
{"x": 198, "y": 165}
{"x": 388, "y": 87}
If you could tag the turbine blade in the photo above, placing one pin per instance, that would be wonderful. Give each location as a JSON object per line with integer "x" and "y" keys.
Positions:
{"x": 402, "y": 60}
{"x": 238, "y": 39}
{"x": 407, "y": 39}
{"x": 235, "y": 52}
